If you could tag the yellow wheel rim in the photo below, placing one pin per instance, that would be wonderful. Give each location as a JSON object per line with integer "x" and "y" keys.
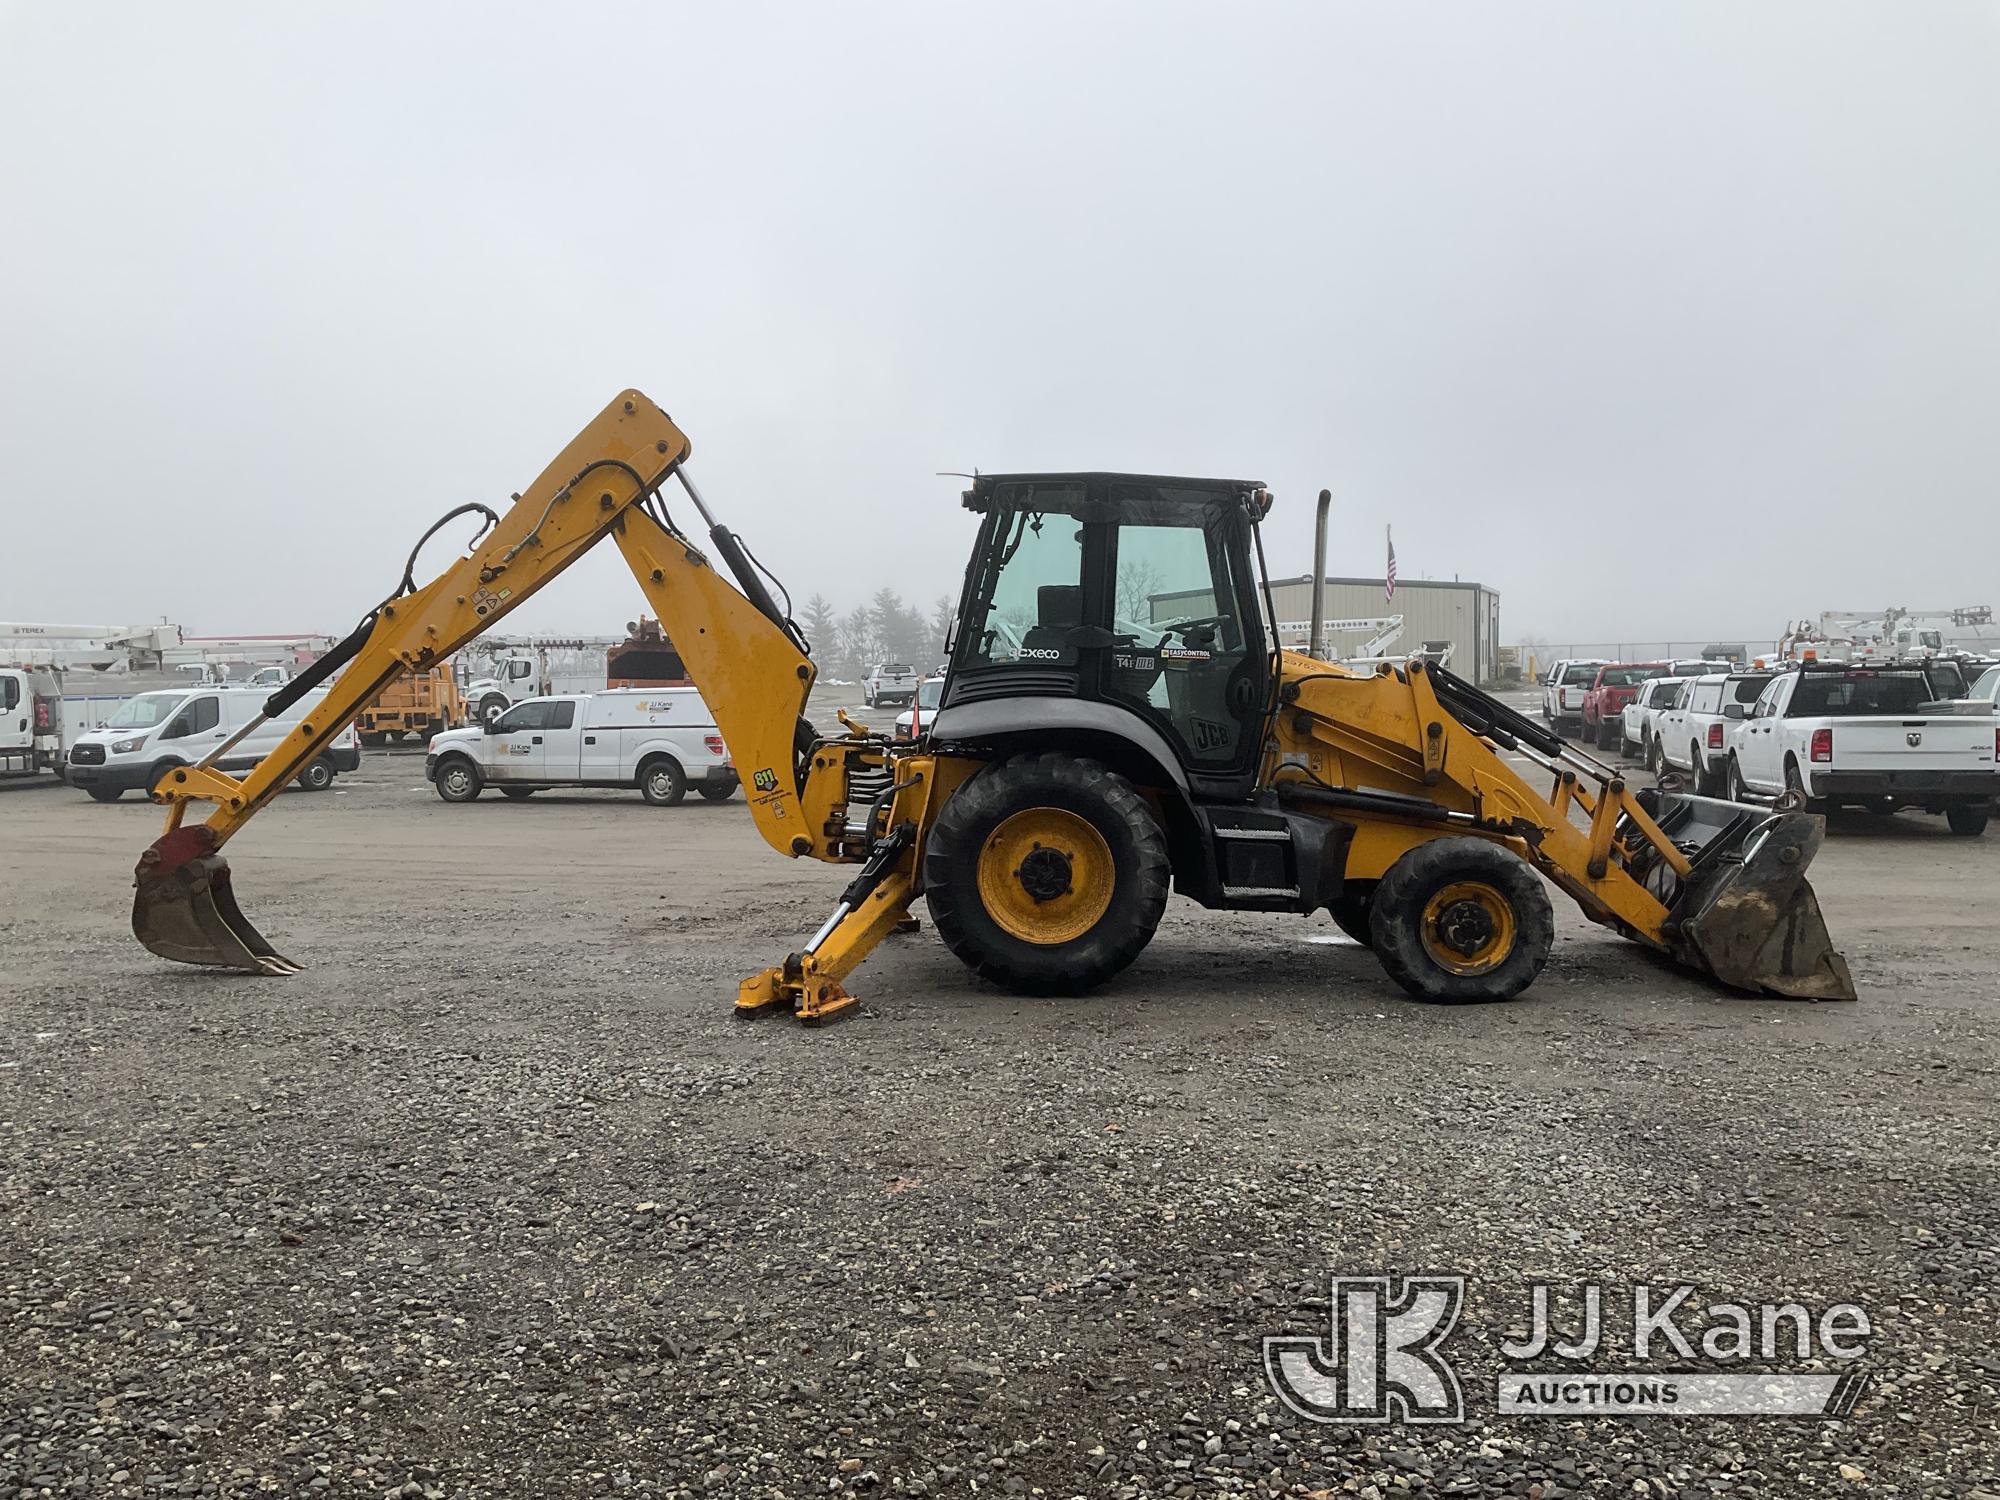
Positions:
{"x": 1468, "y": 927}
{"x": 1046, "y": 876}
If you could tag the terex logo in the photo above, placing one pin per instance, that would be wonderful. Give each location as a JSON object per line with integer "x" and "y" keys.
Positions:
{"x": 1380, "y": 1362}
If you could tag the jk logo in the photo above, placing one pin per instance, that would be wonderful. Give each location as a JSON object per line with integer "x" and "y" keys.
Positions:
{"x": 1380, "y": 1361}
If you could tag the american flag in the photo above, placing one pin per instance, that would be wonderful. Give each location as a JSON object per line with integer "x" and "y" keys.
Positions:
{"x": 1389, "y": 578}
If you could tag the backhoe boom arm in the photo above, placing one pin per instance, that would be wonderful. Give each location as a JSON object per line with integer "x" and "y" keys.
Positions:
{"x": 737, "y": 646}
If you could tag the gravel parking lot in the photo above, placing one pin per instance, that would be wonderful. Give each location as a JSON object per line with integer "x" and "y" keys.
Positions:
{"x": 499, "y": 1198}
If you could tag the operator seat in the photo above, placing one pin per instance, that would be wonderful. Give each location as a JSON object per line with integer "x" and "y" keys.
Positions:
{"x": 1058, "y": 607}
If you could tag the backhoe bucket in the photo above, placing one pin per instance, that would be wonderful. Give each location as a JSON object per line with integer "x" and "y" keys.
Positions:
{"x": 185, "y": 910}
{"x": 1746, "y": 914}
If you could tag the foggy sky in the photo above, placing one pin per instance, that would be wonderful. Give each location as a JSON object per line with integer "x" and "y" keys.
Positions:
{"x": 1663, "y": 320}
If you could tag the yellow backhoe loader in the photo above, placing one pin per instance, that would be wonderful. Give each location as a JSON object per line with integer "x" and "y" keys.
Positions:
{"x": 1116, "y": 720}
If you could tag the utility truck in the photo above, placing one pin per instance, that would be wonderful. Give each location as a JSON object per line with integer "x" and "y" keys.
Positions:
{"x": 30, "y": 721}
{"x": 416, "y": 705}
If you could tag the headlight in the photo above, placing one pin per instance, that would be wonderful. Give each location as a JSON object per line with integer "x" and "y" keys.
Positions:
{"x": 126, "y": 747}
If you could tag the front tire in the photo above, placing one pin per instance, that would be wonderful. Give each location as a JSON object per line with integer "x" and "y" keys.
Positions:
{"x": 492, "y": 706}
{"x": 1966, "y": 822}
{"x": 1459, "y": 920}
{"x": 104, "y": 793}
{"x": 718, "y": 791}
{"x": 458, "y": 780}
{"x": 1047, "y": 874}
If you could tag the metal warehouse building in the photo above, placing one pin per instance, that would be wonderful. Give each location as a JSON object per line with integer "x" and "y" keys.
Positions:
{"x": 1466, "y": 614}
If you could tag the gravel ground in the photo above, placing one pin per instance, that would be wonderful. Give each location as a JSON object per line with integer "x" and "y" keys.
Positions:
{"x": 498, "y": 1197}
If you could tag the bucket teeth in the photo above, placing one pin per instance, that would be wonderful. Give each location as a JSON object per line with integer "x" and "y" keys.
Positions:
{"x": 189, "y": 914}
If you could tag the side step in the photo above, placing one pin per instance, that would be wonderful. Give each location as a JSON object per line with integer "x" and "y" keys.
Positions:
{"x": 1263, "y": 858}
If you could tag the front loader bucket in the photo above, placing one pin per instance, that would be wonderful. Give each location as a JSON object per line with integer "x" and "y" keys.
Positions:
{"x": 1746, "y": 914}
{"x": 185, "y": 910}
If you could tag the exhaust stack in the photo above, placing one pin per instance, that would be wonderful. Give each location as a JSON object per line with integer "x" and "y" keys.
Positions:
{"x": 1316, "y": 632}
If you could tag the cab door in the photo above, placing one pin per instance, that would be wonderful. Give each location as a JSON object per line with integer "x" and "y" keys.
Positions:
{"x": 1187, "y": 648}
{"x": 196, "y": 729}
{"x": 514, "y": 746}
{"x": 561, "y": 748}
{"x": 1759, "y": 753}
{"x": 17, "y": 712}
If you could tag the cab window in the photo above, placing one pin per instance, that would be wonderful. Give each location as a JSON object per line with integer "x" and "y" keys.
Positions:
{"x": 523, "y": 716}
{"x": 561, "y": 715}
{"x": 1030, "y": 595}
{"x": 195, "y": 716}
{"x": 10, "y": 693}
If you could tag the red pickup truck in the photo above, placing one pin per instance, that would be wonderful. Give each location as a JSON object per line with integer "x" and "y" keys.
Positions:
{"x": 1615, "y": 686}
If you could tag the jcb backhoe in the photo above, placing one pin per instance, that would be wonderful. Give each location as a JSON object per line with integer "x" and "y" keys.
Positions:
{"x": 1115, "y": 722}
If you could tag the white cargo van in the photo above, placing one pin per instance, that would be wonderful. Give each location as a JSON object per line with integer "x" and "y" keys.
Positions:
{"x": 151, "y": 733}
{"x": 660, "y": 740}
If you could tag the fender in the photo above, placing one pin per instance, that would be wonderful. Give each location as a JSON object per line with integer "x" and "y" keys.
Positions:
{"x": 999, "y": 720}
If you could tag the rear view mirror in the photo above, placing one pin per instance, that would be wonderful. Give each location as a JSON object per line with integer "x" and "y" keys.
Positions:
{"x": 1735, "y": 711}
{"x": 493, "y": 726}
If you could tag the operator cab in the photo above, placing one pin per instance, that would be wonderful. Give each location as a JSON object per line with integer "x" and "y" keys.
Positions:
{"x": 1115, "y": 597}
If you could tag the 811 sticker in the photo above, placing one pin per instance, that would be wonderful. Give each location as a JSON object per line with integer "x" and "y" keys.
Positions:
{"x": 765, "y": 780}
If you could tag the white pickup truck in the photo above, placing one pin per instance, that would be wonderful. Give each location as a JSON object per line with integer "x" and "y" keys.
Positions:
{"x": 890, "y": 683}
{"x": 1868, "y": 736}
{"x": 1641, "y": 717}
{"x": 1564, "y": 689}
{"x": 1697, "y": 733}
{"x": 661, "y": 740}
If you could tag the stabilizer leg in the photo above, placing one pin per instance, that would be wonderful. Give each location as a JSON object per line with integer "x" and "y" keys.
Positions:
{"x": 810, "y": 981}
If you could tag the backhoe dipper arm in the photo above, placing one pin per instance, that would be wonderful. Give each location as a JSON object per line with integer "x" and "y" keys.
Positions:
{"x": 754, "y": 676}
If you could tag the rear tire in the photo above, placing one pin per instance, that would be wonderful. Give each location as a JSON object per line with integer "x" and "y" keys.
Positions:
{"x": 1458, "y": 920}
{"x": 105, "y": 793}
{"x": 1707, "y": 783}
{"x": 1046, "y": 874}
{"x": 458, "y": 780}
{"x": 1967, "y": 822}
{"x": 318, "y": 776}
{"x": 662, "y": 783}
{"x": 518, "y": 793}
{"x": 492, "y": 706}
{"x": 718, "y": 792}
{"x": 1795, "y": 786}
{"x": 375, "y": 739}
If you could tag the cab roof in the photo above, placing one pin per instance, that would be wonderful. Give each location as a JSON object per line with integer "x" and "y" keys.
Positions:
{"x": 988, "y": 489}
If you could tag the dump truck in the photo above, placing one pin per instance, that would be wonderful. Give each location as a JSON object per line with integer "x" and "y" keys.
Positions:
{"x": 1080, "y": 764}
{"x": 414, "y": 706}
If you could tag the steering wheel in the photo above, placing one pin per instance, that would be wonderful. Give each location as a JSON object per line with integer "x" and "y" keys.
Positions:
{"x": 1183, "y": 628}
